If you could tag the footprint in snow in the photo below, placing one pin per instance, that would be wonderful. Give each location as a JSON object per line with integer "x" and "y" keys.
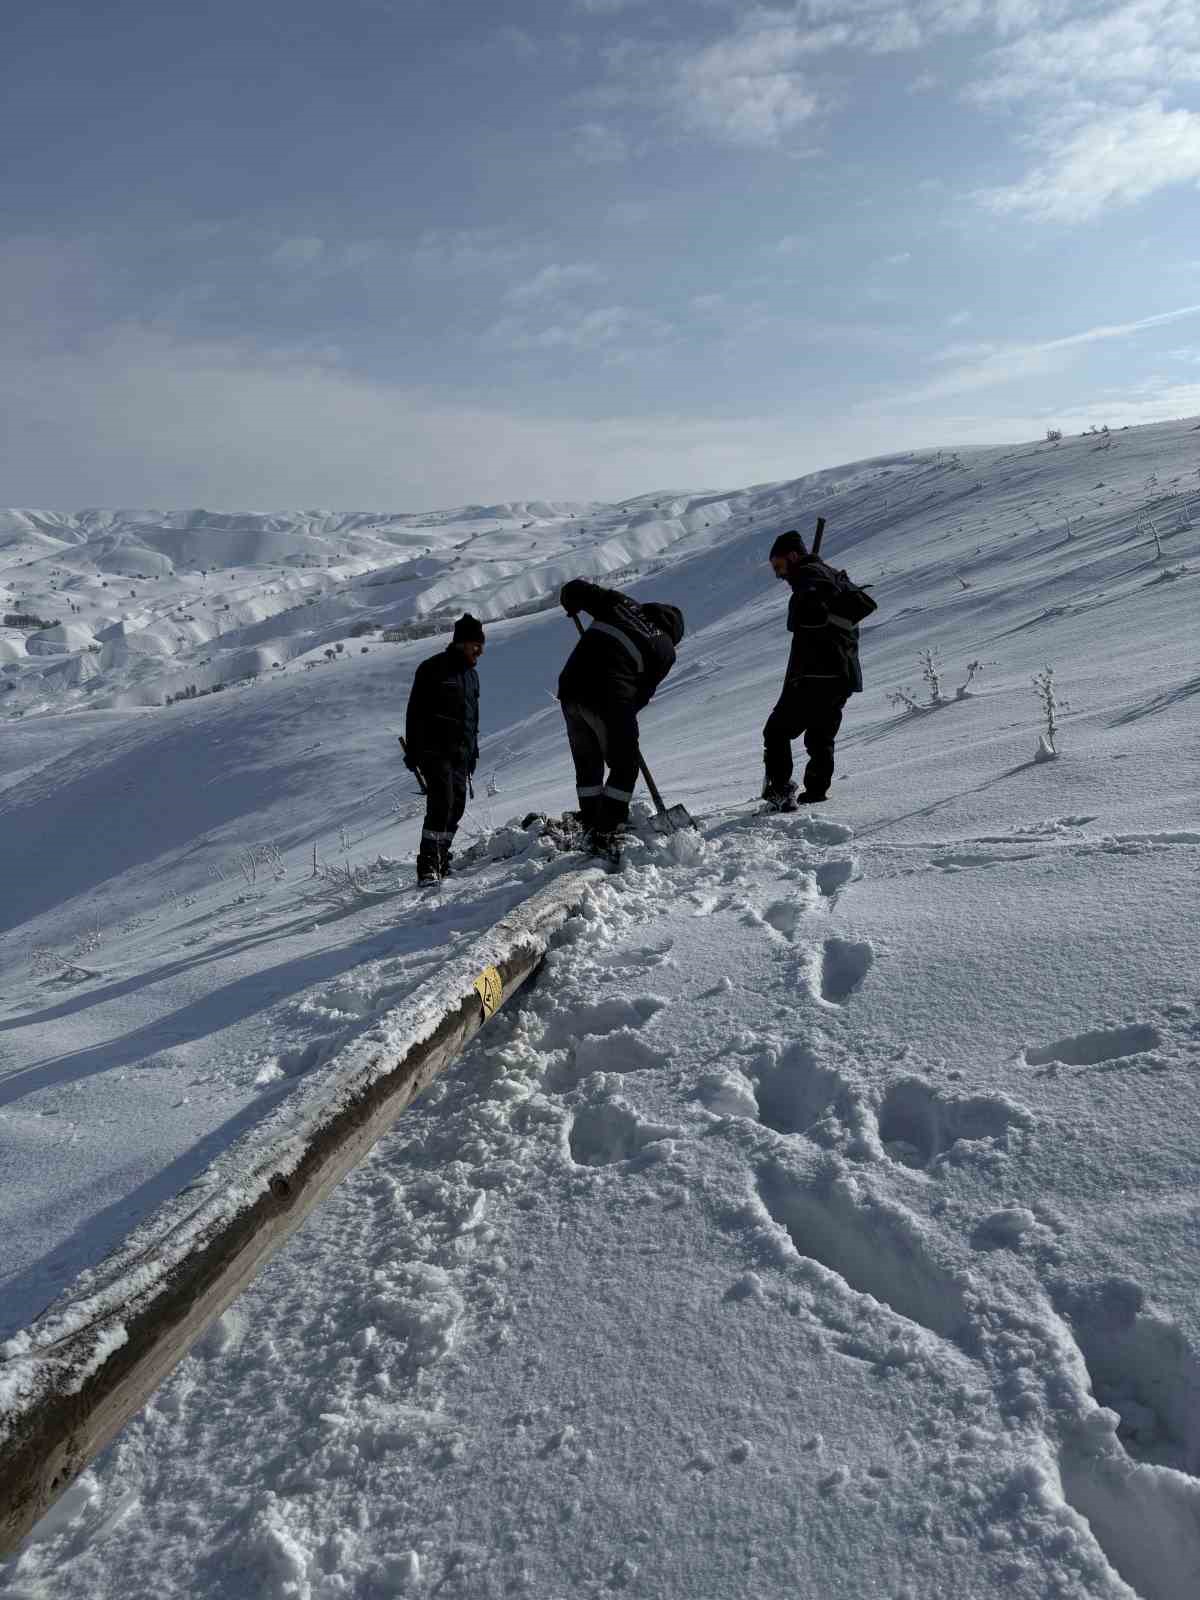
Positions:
{"x": 295, "y": 1063}
{"x": 795, "y": 1093}
{"x": 603, "y": 1134}
{"x": 878, "y": 1248}
{"x": 785, "y": 916}
{"x": 569, "y": 1024}
{"x": 619, "y": 1051}
{"x": 647, "y": 956}
{"x": 1141, "y": 1368}
{"x": 1097, "y": 1046}
{"x": 820, "y": 830}
{"x": 844, "y": 965}
{"x": 919, "y": 1122}
{"x": 1052, "y": 827}
{"x": 727, "y": 1093}
{"x": 833, "y": 876}
{"x": 1141, "y": 1365}
{"x": 818, "y": 891}
{"x": 957, "y": 862}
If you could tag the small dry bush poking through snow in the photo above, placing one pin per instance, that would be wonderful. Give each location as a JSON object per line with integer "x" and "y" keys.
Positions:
{"x": 1051, "y": 706}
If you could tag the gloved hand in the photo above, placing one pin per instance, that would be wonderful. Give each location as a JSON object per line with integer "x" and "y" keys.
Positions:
{"x": 568, "y": 597}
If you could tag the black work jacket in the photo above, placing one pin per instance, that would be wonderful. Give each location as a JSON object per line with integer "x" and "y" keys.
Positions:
{"x": 824, "y": 650}
{"x": 442, "y": 720}
{"x": 621, "y": 658}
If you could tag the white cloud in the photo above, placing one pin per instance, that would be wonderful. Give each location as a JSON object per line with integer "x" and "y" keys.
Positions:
{"x": 554, "y": 281}
{"x": 746, "y": 89}
{"x": 1020, "y": 16}
{"x": 627, "y": 213}
{"x": 984, "y": 365}
{"x": 1154, "y": 401}
{"x": 890, "y": 33}
{"x": 519, "y": 41}
{"x": 1145, "y": 43}
{"x": 142, "y": 418}
{"x": 606, "y": 329}
{"x": 1097, "y": 80}
{"x": 1115, "y": 157}
{"x": 1122, "y": 330}
{"x": 597, "y": 144}
{"x": 737, "y": 319}
{"x": 756, "y": 85}
{"x": 145, "y": 419}
{"x": 463, "y": 251}
{"x": 298, "y": 252}
{"x": 898, "y": 259}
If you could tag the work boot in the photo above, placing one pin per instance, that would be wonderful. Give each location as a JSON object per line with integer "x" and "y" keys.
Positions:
{"x": 781, "y": 798}
{"x": 605, "y": 845}
{"x": 428, "y": 865}
{"x": 445, "y": 857}
{"x": 806, "y": 799}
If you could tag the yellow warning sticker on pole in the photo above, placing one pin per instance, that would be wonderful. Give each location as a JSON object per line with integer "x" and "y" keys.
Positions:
{"x": 489, "y": 986}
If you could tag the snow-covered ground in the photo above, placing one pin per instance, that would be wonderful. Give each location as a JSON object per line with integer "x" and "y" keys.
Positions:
{"x": 822, "y": 1223}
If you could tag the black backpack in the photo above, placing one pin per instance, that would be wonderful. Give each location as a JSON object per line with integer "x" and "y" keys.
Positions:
{"x": 851, "y": 601}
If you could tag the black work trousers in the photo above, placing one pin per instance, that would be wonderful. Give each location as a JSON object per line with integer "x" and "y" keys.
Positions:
{"x": 603, "y": 737}
{"x": 446, "y": 782}
{"x": 813, "y": 709}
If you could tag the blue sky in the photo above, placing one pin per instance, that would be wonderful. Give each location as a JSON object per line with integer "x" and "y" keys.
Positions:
{"x": 398, "y": 253}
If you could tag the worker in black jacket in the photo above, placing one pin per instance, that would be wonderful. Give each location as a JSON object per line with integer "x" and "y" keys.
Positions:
{"x": 442, "y": 740}
{"x": 609, "y": 677}
{"x": 822, "y": 672}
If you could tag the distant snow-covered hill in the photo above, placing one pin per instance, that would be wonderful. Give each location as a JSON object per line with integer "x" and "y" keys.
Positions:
{"x": 176, "y": 599}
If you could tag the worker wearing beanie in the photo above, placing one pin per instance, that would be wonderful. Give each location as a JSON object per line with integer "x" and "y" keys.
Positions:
{"x": 609, "y": 677}
{"x": 822, "y": 671}
{"x": 442, "y": 740}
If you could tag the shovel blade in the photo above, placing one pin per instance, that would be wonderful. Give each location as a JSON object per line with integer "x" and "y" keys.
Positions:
{"x": 673, "y": 820}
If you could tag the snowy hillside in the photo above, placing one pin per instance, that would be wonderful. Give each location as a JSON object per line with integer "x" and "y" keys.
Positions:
{"x": 822, "y": 1223}
{"x": 129, "y": 608}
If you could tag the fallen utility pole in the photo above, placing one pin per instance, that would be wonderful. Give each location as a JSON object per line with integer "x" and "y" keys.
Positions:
{"x": 75, "y": 1376}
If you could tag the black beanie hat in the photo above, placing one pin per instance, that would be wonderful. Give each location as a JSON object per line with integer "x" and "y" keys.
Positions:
{"x": 668, "y": 618}
{"x": 468, "y": 630}
{"x": 788, "y": 544}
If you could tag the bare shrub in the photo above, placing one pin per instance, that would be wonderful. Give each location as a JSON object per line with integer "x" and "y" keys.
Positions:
{"x": 1051, "y": 708}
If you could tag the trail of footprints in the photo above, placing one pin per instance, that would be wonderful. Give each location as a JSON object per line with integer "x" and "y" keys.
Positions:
{"x": 1140, "y": 1369}
{"x": 836, "y": 968}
